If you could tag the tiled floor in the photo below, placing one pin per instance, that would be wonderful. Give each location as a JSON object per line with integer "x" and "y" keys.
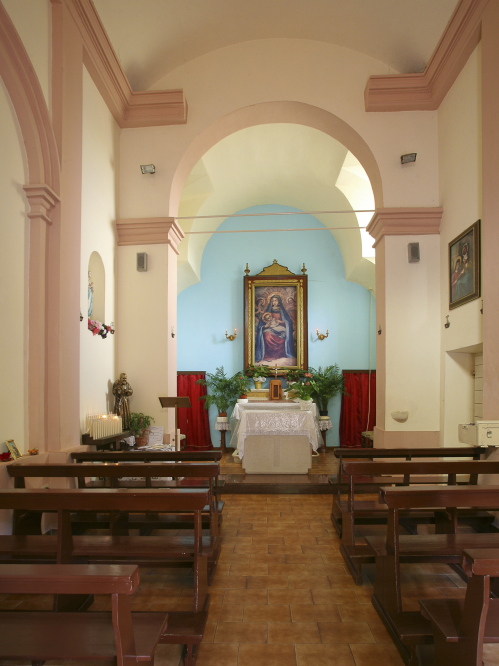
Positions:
{"x": 281, "y": 595}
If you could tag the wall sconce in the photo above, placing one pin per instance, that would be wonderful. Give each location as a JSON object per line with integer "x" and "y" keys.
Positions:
{"x": 148, "y": 168}
{"x": 379, "y": 330}
{"x": 112, "y": 328}
{"x": 231, "y": 337}
{"x": 447, "y": 324}
{"x": 81, "y": 316}
{"x": 321, "y": 336}
{"x": 409, "y": 157}
{"x": 173, "y": 332}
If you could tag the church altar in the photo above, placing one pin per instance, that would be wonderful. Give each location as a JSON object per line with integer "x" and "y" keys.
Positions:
{"x": 278, "y": 436}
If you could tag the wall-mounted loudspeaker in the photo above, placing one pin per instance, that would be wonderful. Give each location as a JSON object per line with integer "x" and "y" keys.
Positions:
{"x": 142, "y": 262}
{"x": 413, "y": 251}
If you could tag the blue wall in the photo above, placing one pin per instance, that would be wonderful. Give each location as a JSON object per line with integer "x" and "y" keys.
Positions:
{"x": 207, "y": 309}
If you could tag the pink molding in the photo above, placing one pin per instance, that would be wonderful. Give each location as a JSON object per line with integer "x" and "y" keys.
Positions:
{"x": 425, "y": 92}
{"x": 150, "y": 231}
{"x": 129, "y": 108}
{"x": 406, "y": 439}
{"x": 42, "y": 199}
{"x": 404, "y": 222}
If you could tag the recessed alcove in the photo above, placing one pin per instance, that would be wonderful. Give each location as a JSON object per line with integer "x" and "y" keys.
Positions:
{"x": 96, "y": 288}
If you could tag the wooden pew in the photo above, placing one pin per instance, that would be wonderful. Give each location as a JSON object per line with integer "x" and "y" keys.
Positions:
{"x": 461, "y": 627}
{"x": 96, "y": 548}
{"x": 409, "y": 629}
{"x": 39, "y": 636}
{"x": 351, "y": 512}
{"x": 205, "y": 473}
{"x": 359, "y": 454}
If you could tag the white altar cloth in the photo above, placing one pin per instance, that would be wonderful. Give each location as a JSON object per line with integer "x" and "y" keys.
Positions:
{"x": 272, "y": 422}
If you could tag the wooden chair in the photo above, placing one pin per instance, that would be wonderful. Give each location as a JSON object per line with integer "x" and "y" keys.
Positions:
{"x": 460, "y": 628}
{"x": 129, "y": 637}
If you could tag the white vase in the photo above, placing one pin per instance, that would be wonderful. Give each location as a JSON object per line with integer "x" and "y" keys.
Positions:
{"x": 306, "y": 405}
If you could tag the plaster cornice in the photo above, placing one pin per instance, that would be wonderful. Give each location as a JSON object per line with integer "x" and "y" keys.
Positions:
{"x": 129, "y": 108}
{"x": 42, "y": 199}
{"x": 404, "y": 222}
{"x": 425, "y": 91}
{"x": 150, "y": 231}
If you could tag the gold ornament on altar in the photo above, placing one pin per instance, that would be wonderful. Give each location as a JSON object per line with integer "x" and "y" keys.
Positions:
{"x": 122, "y": 392}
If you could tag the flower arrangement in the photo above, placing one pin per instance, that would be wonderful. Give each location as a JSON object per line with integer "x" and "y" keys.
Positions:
{"x": 139, "y": 424}
{"x": 258, "y": 373}
{"x": 303, "y": 389}
{"x": 4, "y": 457}
{"x": 98, "y": 329}
{"x": 294, "y": 375}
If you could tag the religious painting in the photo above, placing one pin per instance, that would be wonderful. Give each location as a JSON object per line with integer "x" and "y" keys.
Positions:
{"x": 14, "y": 451}
{"x": 275, "y": 319}
{"x": 464, "y": 267}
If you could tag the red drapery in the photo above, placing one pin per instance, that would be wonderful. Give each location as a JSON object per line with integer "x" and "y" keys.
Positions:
{"x": 355, "y": 407}
{"x": 193, "y": 423}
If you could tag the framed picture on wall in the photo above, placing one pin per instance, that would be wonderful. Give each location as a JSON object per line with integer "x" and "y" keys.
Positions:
{"x": 14, "y": 451}
{"x": 464, "y": 267}
{"x": 275, "y": 319}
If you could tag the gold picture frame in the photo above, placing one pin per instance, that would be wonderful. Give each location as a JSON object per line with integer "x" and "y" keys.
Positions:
{"x": 14, "y": 451}
{"x": 275, "y": 319}
{"x": 464, "y": 267}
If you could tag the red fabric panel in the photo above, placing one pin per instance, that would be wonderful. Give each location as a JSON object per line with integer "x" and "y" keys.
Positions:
{"x": 193, "y": 423}
{"x": 355, "y": 408}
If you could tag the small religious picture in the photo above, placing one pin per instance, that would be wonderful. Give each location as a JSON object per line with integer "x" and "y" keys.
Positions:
{"x": 14, "y": 451}
{"x": 276, "y": 320}
{"x": 464, "y": 267}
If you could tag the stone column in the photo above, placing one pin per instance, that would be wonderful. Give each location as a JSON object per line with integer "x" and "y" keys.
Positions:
{"x": 408, "y": 327}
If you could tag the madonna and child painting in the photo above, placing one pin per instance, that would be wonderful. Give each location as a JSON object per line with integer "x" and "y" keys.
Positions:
{"x": 464, "y": 267}
{"x": 275, "y": 325}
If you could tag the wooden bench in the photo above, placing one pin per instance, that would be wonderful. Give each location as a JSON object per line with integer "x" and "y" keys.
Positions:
{"x": 351, "y": 513}
{"x": 473, "y": 452}
{"x": 461, "y": 627}
{"x": 39, "y": 636}
{"x": 97, "y": 548}
{"x": 409, "y": 629}
{"x": 198, "y": 474}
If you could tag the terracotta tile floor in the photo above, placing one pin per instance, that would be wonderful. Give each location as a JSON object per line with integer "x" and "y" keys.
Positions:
{"x": 281, "y": 595}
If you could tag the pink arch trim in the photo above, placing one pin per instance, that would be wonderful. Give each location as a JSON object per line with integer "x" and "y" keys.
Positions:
{"x": 297, "y": 113}
{"x": 31, "y": 109}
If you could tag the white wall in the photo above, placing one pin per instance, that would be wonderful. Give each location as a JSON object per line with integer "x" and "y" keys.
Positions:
{"x": 412, "y": 333}
{"x": 33, "y": 21}
{"x": 459, "y": 144}
{"x": 144, "y": 335}
{"x": 14, "y": 238}
{"x": 98, "y": 233}
{"x": 315, "y": 73}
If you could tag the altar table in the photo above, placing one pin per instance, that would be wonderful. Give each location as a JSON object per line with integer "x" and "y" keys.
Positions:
{"x": 275, "y": 438}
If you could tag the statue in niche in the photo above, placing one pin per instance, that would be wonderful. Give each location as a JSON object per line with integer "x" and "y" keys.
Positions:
{"x": 122, "y": 392}
{"x": 90, "y": 294}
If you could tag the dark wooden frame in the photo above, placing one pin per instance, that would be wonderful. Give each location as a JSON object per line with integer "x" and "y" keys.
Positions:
{"x": 283, "y": 278}
{"x": 475, "y": 230}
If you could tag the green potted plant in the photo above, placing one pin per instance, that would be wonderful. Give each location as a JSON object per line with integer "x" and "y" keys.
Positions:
{"x": 223, "y": 391}
{"x": 302, "y": 389}
{"x": 327, "y": 383}
{"x": 243, "y": 383}
{"x": 293, "y": 376}
{"x": 139, "y": 427}
{"x": 258, "y": 374}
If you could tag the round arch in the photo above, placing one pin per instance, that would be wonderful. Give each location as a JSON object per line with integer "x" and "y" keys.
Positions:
{"x": 297, "y": 113}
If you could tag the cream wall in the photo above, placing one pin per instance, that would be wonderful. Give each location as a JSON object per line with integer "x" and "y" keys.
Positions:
{"x": 412, "y": 333}
{"x": 143, "y": 329}
{"x": 318, "y": 74}
{"x": 100, "y": 162}
{"x": 459, "y": 145}
{"x": 13, "y": 279}
{"x": 33, "y": 22}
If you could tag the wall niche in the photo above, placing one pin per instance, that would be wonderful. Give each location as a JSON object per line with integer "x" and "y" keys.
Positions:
{"x": 96, "y": 288}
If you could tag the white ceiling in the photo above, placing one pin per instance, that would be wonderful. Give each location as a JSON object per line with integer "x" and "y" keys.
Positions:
{"x": 154, "y": 37}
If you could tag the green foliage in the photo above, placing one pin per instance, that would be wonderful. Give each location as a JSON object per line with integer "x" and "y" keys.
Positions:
{"x": 295, "y": 375}
{"x": 302, "y": 389}
{"x": 223, "y": 390}
{"x": 257, "y": 371}
{"x": 327, "y": 382}
{"x": 139, "y": 423}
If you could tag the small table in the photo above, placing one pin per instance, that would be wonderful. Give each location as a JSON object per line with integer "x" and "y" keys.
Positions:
{"x": 222, "y": 427}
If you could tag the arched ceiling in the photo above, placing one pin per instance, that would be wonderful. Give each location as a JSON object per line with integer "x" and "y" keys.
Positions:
{"x": 286, "y": 164}
{"x": 154, "y": 37}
